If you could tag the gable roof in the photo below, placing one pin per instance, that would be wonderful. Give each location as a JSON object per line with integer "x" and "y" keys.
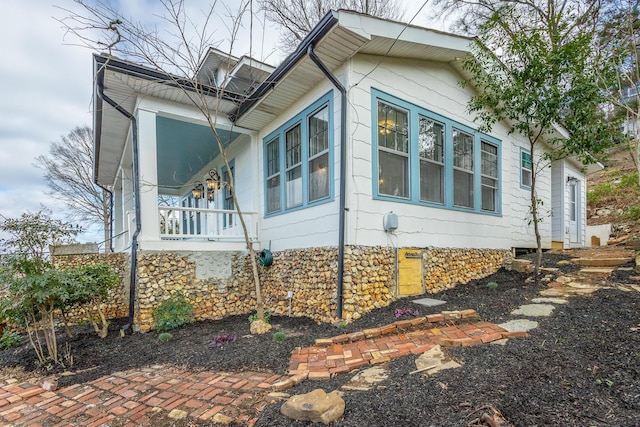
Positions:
{"x": 337, "y": 37}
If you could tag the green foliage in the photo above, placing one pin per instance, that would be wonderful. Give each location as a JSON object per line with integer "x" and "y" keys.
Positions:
{"x": 619, "y": 188}
{"x": 632, "y": 213}
{"x": 599, "y": 193}
{"x": 279, "y": 336}
{"x": 266, "y": 317}
{"x": 32, "y": 234}
{"x": 10, "y": 339}
{"x": 165, "y": 336}
{"x": 172, "y": 313}
{"x": 492, "y": 285}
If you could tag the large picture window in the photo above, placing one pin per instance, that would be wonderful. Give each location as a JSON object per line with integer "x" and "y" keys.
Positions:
{"x": 298, "y": 159}
{"x": 424, "y": 158}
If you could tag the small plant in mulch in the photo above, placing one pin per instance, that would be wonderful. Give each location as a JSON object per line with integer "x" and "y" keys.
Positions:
{"x": 172, "y": 313}
{"x": 222, "y": 340}
{"x": 279, "y": 336}
{"x": 492, "y": 285}
{"x": 266, "y": 317}
{"x": 400, "y": 312}
{"x": 165, "y": 336}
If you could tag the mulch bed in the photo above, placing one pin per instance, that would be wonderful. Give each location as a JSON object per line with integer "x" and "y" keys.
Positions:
{"x": 580, "y": 367}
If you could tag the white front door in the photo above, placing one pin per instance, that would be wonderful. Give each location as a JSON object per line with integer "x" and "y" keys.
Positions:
{"x": 574, "y": 211}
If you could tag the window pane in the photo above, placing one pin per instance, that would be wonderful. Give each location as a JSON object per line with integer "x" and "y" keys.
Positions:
{"x": 525, "y": 168}
{"x": 462, "y": 150}
{"x": 431, "y": 139}
{"x": 319, "y": 178}
{"x": 489, "y": 194}
{"x": 462, "y": 189}
{"x": 489, "y": 159}
{"x": 294, "y": 147}
{"x": 273, "y": 157}
{"x": 393, "y": 174}
{"x": 294, "y": 187}
{"x": 431, "y": 182}
{"x": 273, "y": 194}
{"x": 319, "y": 132}
{"x": 393, "y": 128}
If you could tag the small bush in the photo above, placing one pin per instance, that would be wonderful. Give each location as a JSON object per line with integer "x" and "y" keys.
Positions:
{"x": 600, "y": 193}
{"x": 165, "y": 336}
{"x": 492, "y": 285}
{"x": 222, "y": 340}
{"x": 266, "y": 317}
{"x": 279, "y": 336}
{"x": 172, "y": 313}
{"x": 10, "y": 339}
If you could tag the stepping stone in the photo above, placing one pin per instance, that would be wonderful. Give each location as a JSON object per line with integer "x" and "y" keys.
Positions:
{"x": 534, "y": 310}
{"x": 519, "y": 325}
{"x": 433, "y": 361}
{"x": 366, "y": 379}
{"x": 429, "y": 302}
{"x": 550, "y": 300}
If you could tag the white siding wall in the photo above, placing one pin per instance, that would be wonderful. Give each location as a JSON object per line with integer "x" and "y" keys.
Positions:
{"x": 433, "y": 86}
{"x": 313, "y": 226}
{"x": 571, "y": 170}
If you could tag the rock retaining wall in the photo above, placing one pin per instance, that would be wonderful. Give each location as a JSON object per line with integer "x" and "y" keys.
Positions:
{"x": 116, "y": 305}
{"x": 310, "y": 275}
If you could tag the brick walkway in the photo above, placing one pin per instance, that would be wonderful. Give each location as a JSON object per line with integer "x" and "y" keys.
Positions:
{"x": 345, "y": 353}
{"x": 131, "y": 398}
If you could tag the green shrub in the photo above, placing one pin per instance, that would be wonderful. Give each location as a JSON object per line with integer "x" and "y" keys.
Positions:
{"x": 279, "y": 336}
{"x": 599, "y": 193}
{"x": 266, "y": 317}
{"x": 629, "y": 181}
{"x": 10, "y": 339}
{"x": 172, "y": 313}
{"x": 492, "y": 285}
{"x": 165, "y": 336}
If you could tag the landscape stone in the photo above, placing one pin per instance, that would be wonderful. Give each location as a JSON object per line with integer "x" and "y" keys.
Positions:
{"x": 222, "y": 419}
{"x": 315, "y": 406}
{"x": 429, "y": 302}
{"x": 433, "y": 361}
{"x": 177, "y": 414}
{"x": 550, "y": 300}
{"x": 534, "y": 310}
{"x": 366, "y": 379}
{"x": 519, "y": 325}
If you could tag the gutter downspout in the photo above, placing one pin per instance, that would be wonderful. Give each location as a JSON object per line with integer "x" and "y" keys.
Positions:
{"x": 136, "y": 191}
{"x": 343, "y": 171}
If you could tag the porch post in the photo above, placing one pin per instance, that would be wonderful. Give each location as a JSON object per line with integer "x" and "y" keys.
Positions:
{"x": 150, "y": 230}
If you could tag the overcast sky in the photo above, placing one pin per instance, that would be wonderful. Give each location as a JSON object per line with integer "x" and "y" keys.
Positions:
{"x": 46, "y": 88}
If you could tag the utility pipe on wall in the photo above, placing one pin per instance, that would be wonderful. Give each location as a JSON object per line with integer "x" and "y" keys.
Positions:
{"x": 343, "y": 171}
{"x": 136, "y": 190}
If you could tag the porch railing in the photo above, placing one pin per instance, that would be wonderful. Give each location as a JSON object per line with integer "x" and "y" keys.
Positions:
{"x": 178, "y": 223}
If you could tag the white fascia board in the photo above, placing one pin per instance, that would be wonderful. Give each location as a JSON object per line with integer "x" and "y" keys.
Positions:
{"x": 369, "y": 27}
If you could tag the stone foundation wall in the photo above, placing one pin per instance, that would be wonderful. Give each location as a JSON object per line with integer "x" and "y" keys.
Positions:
{"x": 309, "y": 274}
{"x": 116, "y": 305}
{"x": 162, "y": 274}
{"x": 445, "y": 268}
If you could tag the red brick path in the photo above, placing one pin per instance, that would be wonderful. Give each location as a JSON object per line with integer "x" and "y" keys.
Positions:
{"x": 131, "y": 397}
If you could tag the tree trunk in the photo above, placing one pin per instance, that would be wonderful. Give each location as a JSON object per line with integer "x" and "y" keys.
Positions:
{"x": 535, "y": 217}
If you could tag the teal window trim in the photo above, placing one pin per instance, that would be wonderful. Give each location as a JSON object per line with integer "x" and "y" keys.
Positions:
{"x": 301, "y": 119}
{"x": 415, "y": 111}
{"x": 524, "y": 151}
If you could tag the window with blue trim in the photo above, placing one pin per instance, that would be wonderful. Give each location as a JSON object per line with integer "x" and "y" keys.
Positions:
{"x": 298, "y": 158}
{"x": 525, "y": 168}
{"x": 424, "y": 158}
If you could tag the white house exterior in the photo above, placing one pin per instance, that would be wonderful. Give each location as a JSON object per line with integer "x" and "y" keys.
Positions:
{"x": 411, "y": 149}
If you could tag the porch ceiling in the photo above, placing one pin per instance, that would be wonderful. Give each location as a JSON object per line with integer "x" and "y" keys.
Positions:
{"x": 183, "y": 149}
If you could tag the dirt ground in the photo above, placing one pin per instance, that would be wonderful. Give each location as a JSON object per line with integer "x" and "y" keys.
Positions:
{"x": 581, "y": 366}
